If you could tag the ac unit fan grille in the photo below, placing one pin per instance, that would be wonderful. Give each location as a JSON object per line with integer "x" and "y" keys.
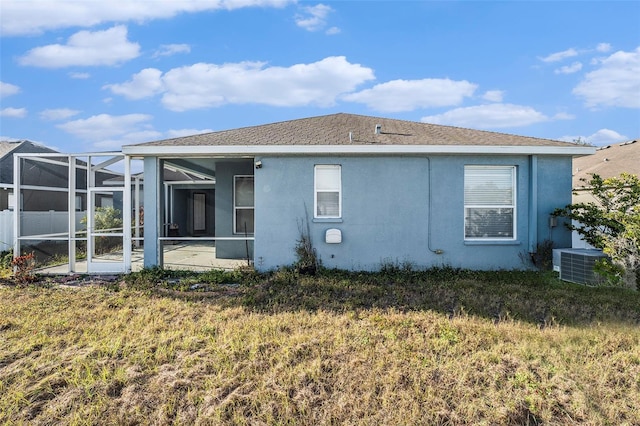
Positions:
{"x": 579, "y": 268}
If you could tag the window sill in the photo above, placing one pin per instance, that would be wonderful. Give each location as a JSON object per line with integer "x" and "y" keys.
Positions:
{"x": 327, "y": 220}
{"x": 492, "y": 242}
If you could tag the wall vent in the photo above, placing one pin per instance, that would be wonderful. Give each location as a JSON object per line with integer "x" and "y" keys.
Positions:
{"x": 576, "y": 265}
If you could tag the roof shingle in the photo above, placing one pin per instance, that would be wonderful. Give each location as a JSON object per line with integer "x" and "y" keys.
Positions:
{"x": 609, "y": 161}
{"x": 351, "y": 129}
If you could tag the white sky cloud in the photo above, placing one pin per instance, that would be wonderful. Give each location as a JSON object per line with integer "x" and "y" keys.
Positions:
{"x": 569, "y": 69}
{"x": 13, "y": 112}
{"x": 20, "y": 17}
{"x": 129, "y": 138}
{"x": 599, "y": 138}
{"x": 147, "y": 82}
{"x": 209, "y": 85}
{"x": 603, "y": 47}
{"x": 104, "y": 127}
{"x": 332, "y": 31}
{"x": 79, "y": 75}
{"x": 7, "y": 89}
{"x": 85, "y": 48}
{"x": 313, "y": 18}
{"x": 615, "y": 83}
{"x": 177, "y": 133}
{"x": 58, "y": 113}
{"x": 493, "y": 95}
{"x": 171, "y": 49}
{"x": 564, "y": 116}
{"x": 559, "y": 56}
{"x": 491, "y": 116}
{"x": 408, "y": 95}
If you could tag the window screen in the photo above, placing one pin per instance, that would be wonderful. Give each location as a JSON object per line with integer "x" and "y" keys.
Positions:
{"x": 243, "y": 207}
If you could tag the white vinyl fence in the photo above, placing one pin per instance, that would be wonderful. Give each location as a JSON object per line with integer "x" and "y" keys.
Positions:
{"x": 35, "y": 223}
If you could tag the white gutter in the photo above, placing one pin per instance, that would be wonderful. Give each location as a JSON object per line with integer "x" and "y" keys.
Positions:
{"x": 251, "y": 150}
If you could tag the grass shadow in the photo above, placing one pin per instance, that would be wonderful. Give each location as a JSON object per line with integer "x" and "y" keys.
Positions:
{"x": 535, "y": 297}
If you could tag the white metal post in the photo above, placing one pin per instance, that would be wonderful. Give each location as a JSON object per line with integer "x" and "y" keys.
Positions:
{"x": 137, "y": 212}
{"x": 17, "y": 207}
{"x": 126, "y": 214}
{"x": 72, "y": 213}
{"x": 91, "y": 202}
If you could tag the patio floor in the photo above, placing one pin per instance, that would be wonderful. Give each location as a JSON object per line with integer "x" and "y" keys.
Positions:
{"x": 192, "y": 256}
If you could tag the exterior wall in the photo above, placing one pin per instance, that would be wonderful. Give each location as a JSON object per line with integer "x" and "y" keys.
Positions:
{"x": 554, "y": 191}
{"x": 225, "y": 171}
{"x": 386, "y": 214}
{"x": 153, "y": 217}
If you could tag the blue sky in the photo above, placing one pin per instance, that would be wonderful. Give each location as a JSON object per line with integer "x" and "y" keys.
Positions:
{"x": 86, "y": 76}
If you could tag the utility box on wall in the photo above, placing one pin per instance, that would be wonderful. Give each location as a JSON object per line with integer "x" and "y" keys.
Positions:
{"x": 333, "y": 236}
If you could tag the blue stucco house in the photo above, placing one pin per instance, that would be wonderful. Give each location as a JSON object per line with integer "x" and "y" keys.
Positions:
{"x": 369, "y": 190}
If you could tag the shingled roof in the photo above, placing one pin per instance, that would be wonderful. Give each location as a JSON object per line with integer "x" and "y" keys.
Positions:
{"x": 334, "y": 130}
{"x": 608, "y": 161}
{"x": 350, "y": 133}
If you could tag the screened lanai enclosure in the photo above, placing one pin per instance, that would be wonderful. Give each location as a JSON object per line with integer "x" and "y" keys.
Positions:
{"x": 85, "y": 213}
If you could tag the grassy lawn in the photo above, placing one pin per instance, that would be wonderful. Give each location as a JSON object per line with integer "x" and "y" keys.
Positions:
{"x": 396, "y": 348}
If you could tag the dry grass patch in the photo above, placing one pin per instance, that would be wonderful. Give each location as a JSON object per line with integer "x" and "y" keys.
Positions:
{"x": 90, "y": 356}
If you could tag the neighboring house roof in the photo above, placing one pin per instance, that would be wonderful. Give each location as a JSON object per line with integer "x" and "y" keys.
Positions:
{"x": 608, "y": 161}
{"x": 7, "y": 149}
{"x": 350, "y": 133}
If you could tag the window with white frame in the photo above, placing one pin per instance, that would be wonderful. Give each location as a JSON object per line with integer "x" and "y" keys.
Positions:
{"x": 328, "y": 191}
{"x": 489, "y": 202}
{"x": 243, "y": 207}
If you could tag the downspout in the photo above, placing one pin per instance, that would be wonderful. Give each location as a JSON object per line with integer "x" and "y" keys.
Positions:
{"x": 429, "y": 214}
{"x": 533, "y": 203}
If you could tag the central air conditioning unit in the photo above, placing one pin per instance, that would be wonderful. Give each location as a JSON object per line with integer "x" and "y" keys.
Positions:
{"x": 576, "y": 265}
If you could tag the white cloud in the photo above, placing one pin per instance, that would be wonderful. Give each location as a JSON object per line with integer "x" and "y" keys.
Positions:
{"x": 21, "y": 17}
{"x": 493, "y": 95}
{"x": 408, "y": 95}
{"x": 10, "y": 139}
{"x": 147, "y": 82}
{"x": 58, "y": 113}
{"x": 313, "y": 18}
{"x": 79, "y": 75}
{"x": 332, "y": 31}
{"x": 564, "y": 116}
{"x": 13, "y": 112}
{"x": 104, "y": 127}
{"x": 569, "y": 69}
{"x": 491, "y": 116}
{"x": 616, "y": 83}
{"x": 171, "y": 49}
{"x": 85, "y": 48}
{"x": 559, "y": 56}
{"x": 601, "y": 137}
{"x": 177, "y": 133}
{"x": 129, "y": 138}
{"x": 209, "y": 85}
{"x": 603, "y": 47}
{"x": 7, "y": 89}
